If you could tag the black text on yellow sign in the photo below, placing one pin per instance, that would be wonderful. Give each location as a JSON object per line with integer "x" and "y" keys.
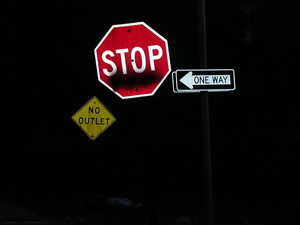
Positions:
{"x": 93, "y": 118}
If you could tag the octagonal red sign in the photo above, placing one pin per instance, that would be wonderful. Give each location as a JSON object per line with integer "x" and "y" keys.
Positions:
{"x": 132, "y": 60}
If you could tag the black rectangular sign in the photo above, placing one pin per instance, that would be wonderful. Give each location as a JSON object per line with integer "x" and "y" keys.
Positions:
{"x": 196, "y": 80}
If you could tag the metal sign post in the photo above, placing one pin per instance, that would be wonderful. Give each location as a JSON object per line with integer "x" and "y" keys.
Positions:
{"x": 203, "y": 81}
{"x": 205, "y": 116}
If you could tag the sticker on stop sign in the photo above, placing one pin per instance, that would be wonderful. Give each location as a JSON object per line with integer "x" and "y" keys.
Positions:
{"x": 132, "y": 60}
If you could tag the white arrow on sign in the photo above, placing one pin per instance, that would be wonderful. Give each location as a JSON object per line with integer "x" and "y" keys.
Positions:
{"x": 191, "y": 79}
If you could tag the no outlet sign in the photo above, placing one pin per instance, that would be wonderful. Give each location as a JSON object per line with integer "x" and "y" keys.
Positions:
{"x": 132, "y": 60}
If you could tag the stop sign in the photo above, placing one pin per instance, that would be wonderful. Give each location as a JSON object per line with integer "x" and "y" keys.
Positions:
{"x": 132, "y": 60}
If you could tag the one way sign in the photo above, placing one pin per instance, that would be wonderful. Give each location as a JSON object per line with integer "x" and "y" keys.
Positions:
{"x": 196, "y": 80}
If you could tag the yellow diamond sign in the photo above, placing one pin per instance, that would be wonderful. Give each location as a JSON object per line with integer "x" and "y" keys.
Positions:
{"x": 93, "y": 118}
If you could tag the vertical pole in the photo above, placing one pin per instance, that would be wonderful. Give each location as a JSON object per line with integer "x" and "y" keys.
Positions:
{"x": 206, "y": 157}
{"x": 202, "y": 34}
{"x": 205, "y": 115}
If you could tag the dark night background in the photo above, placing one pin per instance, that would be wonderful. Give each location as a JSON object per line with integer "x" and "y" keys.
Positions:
{"x": 49, "y": 72}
